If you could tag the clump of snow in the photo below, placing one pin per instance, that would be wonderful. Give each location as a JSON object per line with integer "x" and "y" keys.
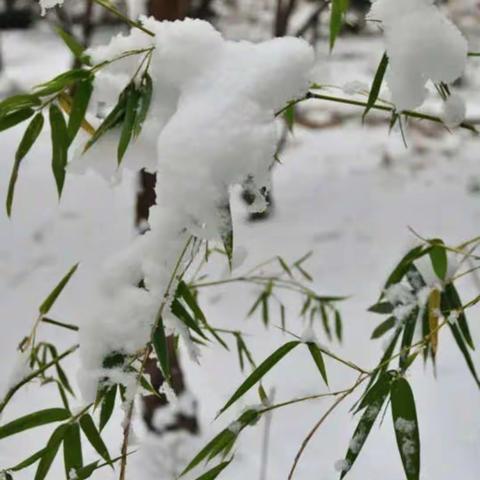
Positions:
{"x": 342, "y": 466}
{"x": 46, "y": 4}
{"x": 309, "y": 336}
{"x": 211, "y": 126}
{"x": 454, "y": 111}
{"x": 422, "y": 45}
{"x": 453, "y": 317}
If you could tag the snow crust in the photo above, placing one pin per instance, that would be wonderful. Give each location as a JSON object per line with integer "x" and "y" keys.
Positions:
{"x": 46, "y": 4}
{"x": 422, "y": 45}
{"x": 211, "y": 126}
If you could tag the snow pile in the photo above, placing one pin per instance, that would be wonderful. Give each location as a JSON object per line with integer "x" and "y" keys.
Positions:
{"x": 211, "y": 126}
{"x": 46, "y": 4}
{"x": 422, "y": 45}
{"x": 454, "y": 111}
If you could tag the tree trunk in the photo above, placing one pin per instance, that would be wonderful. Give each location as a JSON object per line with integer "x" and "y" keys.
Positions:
{"x": 162, "y": 10}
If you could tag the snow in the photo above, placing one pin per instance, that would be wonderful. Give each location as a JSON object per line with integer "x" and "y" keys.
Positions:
{"x": 46, "y": 4}
{"x": 454, "y": 111}
{"x": 347, "y": 193}
{"x": 422, "y": 45}
{"x": 211, "y": 127}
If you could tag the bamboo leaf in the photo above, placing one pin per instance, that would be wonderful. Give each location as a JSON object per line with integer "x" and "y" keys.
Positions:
{"x": 338, "y": 326}
{"x": 50, "y": 452}
{"x": 61, "y": 82}
{"x": 52, "y": 298}
{"x": 108, "y": 405}
{"x": 33, "y": 420}
{"x": 28, "y": 461}
{"x": 381, "y": 308}
{"x": 438, "y": 257}
{"x": 214, "y": 472}
{"x": 452, "y": 301}
{"x": 318, "y": 359}
{"x": 146, "y": 93}
{"x": 11, "y": 119}
{"x": 94, "y": 437}
{"x": 373, "y": 406}
{"x": 159, "y": 341}
{"x": 60, "y": 144}
{"x": 259, "y": 372}
{"x": 29, "y": 138}
{"x": 339, "y": 9}
{"x": 126, "y": 135}
{"x": 384, "y": 327}
{"x": 73, "y": 45}
{"x": 72, "y": 449}
{"x": 377, "y": 84}
{"x": 81, "y": 100}
{"x": 406, "y": 427}
{"x": 18, "y": 102}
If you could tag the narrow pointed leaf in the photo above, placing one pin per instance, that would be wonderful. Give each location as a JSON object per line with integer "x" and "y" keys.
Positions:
{"x": 146, "y": 93}
{"x": 384, "y": 327}
{"x": 37, "y": 419}
{"x": 50, "y": 452}
{"x": 339, "y": 9}
{"x": 214, "y": 472}
{"x": 28, "y": 461}
{"x": 72, "y": 449}
{"x": 406, "y": 427}
{"x": 438, "y": 256}
{"x": 81, "y": 99}
{"x": 377, "y": 84}
{"x": 73, "y": 45}
{"x": 94, "y": 437}
{"x": 259, "y": 372}
{"x": 128, "y": 123}
{"x": 60, "y": 144}
{"x": 51, "y": 299}
{"x": 108, "y": 405}
{"x": 11, "y": 119}
{"x": 29, "y": 138}
{"x": 318, "y": 359}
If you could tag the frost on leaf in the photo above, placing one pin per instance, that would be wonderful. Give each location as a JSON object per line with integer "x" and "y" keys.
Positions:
{"x": 422, "y": 45}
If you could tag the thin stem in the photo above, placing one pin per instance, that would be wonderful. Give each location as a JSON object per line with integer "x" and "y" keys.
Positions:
{"x": 108, "y": 6}
{"x": 313, "y": 431}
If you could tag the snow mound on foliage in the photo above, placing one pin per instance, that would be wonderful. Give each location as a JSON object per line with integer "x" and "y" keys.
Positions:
{"x": 422, "y": 45}
{"x": 211, "y": 126}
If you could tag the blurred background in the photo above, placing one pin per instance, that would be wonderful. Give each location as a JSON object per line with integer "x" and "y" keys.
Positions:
{"x": 345, "y": 190}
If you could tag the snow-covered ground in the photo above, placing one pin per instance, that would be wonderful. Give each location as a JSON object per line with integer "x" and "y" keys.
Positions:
{"x": 349, "y": 194}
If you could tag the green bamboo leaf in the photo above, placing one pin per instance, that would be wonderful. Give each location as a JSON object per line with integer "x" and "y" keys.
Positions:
{"x": 62, "y": 377}
{"x": 61, "y": 82}
{"x": 81, "y": 100}
{"x": 73, "y": 45}
{"x": 451, "y": 301}
{"x": 50, "y": 452}
{"x": 29, "y": 138}
{"x": 318, "y": 359}
{"x": 364, "y": 427}
{"x": 159, "y": 341}
{"x": 214, "y": 472}
{"x": 60, "y": 144}
{"x": 52, "y": 298}
{"x": 325, "y": 321}
{"x": 339, "y": 9}
{"x": 377, "y": 84}
{"x": 11, "y": 119}
{"x": 438, "y": 257}
{"x": 87, "y": 470}
{"x": 289, "y": 116}
{"x": 338, "y": 326}
{"x": 285, "y": 267}
{"x": 182, "y": 314}
{"x": 28, "y": 461}
{"x": 377, "y": 391}
{"x": 18, "y": 102}
{"x": 381, "y": 308}
{"x": 72, "y": 449}
{"x": 219, "y": 441}
{"x": 406, "y": 427}
{"x": 131, "y": 107}
{"x": 407, "y": 338}
{"x": 146, "y": 93}
{"x": 384, "y": 327}
{"x": 32, "y": 420}
{"x": 114, "y": 118}
{"x": 94, "y": 437}
{"x": 259, "y": 372}
{"x": 108, "y": 404}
